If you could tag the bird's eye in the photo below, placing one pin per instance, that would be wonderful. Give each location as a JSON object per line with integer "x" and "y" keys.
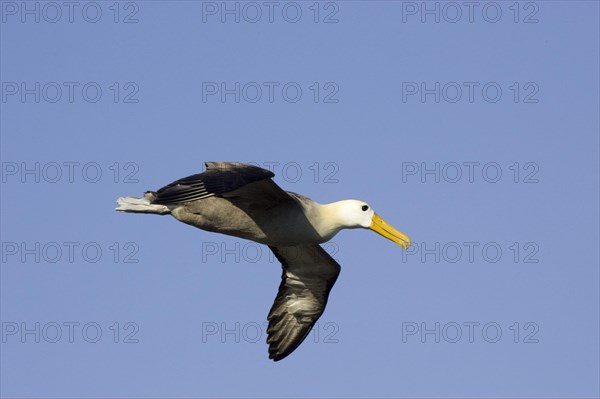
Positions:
{"x": 365, "y": 207}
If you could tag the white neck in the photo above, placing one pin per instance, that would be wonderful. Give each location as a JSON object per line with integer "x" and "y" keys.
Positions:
{"x": 328, "y": 219}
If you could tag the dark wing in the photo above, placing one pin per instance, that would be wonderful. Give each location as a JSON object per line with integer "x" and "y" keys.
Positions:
{"x": 219, "y": 178}
{"x": 308, "y": 275}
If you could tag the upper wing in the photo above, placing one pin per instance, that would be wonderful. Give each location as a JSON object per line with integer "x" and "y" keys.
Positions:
{"x": 220, "y": 178}
{"x": 308, "y": 275}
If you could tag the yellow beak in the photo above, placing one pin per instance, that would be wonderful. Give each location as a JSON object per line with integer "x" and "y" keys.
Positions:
{"x": 380, "y": 226}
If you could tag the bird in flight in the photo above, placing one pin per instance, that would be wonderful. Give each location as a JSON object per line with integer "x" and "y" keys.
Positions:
{"x": 243, "y": 201}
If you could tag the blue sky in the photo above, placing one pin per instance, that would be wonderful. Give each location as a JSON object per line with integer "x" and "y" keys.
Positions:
{"x": 472, "y": 130}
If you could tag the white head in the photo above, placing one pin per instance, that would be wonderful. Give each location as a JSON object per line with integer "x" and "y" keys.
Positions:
{"x": 352, "y": 214}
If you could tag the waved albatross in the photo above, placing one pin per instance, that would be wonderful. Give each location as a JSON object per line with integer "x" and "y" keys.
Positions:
{"x": 241, "y": 200}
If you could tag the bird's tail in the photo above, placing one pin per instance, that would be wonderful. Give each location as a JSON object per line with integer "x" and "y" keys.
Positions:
{"x": 142, "y": 205}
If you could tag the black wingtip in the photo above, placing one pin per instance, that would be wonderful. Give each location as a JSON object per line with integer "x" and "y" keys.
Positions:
{"x": 277, "y": 356}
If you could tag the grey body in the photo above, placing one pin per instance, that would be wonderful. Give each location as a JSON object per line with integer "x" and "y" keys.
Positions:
{"x": 268, "y": 225}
